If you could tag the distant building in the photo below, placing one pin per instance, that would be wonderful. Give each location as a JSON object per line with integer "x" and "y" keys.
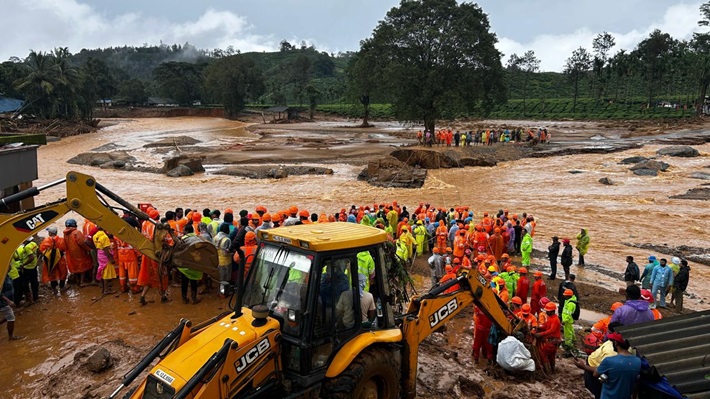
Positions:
{"x": 161, "y": 102}
{"x": 8, "y": 105}
{"x": 283, "y": 112}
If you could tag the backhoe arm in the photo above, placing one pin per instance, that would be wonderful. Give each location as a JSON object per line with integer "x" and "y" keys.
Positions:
{"x": 84, "y": 198}
{"x": 431, "y": 311}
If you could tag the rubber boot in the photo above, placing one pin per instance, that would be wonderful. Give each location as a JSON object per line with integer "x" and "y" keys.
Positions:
{"x": 142, "y": 301}
{"x": 195, "y": 300}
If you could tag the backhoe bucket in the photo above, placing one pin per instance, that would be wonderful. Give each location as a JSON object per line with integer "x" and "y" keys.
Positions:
{"x": 197, "y": 254}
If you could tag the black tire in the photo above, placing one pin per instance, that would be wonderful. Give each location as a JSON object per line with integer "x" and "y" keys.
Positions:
{"x": 374, "y": 374}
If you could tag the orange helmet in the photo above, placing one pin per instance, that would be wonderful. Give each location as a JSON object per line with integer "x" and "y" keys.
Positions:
{"x": 523, "y": 270}
{"x": 259, "y": 208}
{"x": 457, "y": 260}
{"x": 436, "y": 250}
{"x": 196, "y": 217}
{"x": 293, "y": 210}
{"x": 516, "y": 300}
{"x": 266, "y": 217}
{"x": 154, "y": 214}
{"x": 250, "y": 236}
{"x": 525, "y": 309}
{"x": 229, "y": 210}
{"x": 304, "y": 213}
{"x": 616, "y": 305}
{"x": 538, "y": 274}
{"x": 568, "y": 292}
{"x": 276, "y": 217}
{"x": 449, "y": 268}
{"x": 448, "y": 249}
{"x": 550, "y": 307}
{"x": 505, "y": 256}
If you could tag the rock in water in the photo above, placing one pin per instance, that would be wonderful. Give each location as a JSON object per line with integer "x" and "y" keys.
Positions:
{"x": 633, "y": 160}
{"x": 651, "y": 164}
{"x": 194, "y": 163}
{"x": 100, "y": 361}
{"x": 679, "y": 151}
{"x": 606, "y": 181}
{"x": 698, "y": 193}
{"x": 180, "y": 171}
{"x": 390, "y": 172}
{"x": 279, "y": 173}
{"x": 645, "y": 172}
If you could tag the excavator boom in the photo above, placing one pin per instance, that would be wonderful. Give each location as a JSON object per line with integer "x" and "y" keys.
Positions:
{"x": 431, "y": 311}
{"x": 86, "y": 197}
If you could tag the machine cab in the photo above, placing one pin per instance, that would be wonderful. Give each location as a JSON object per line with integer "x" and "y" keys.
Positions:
{"x": 325, "y": 283}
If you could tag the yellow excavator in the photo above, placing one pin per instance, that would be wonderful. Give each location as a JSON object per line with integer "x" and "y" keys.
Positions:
{"x": 296, "y": 328}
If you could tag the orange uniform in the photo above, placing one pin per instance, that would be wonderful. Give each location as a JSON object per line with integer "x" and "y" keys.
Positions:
{"x": 539, "y": 291}
{"x": 55, "y": 265}
{"x": 150, "y": 274}
{"x": 78, "y": 256}
{"x": 127, "y": 266}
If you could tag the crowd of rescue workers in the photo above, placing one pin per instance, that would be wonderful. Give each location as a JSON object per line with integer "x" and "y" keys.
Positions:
{"x": 450, "y": 240}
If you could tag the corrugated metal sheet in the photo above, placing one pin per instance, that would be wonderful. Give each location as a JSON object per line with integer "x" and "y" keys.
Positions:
{"x": 679, "y": 348}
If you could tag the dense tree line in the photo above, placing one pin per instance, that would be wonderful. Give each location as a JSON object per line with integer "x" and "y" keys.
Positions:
{"x": 429, "y": 59}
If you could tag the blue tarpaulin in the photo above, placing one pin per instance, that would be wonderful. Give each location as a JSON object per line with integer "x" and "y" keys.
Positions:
{"x": 9, "y": 104}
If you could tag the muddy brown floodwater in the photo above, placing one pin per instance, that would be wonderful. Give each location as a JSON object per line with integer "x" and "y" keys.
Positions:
{"x": 635, "y": 209}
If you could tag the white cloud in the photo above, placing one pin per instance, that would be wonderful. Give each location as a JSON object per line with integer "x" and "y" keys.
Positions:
{"x": 44, "y": 24}
{"x": 679, "y": 20}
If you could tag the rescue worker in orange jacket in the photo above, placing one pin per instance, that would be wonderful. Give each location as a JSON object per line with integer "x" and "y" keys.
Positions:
{"x": 515, "y": 305}
{"x": 450, "y": 275}
{"x": 523, "y": 284}
{"x": 503, "y": 293}
{"x": 539, "y": 291}
{"x": 248, "y": 250}
{"x": 549, "y": 334}
{"x": 150, "y": 274}
{"x": 487, "y": 223}
{"x": 127, "y": 266}
{"x": 55, "y": 266}
{"x": 496, "y": 244}
{"x": 482, "y": 328}
{"x": 600, "y": 328}
{"x": 459, "y": 244}
{"x": 526, "y": 316}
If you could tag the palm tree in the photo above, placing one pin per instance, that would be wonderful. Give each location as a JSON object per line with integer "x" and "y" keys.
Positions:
{"x": 67, "y": 78}
{"x": 40, "y": 81}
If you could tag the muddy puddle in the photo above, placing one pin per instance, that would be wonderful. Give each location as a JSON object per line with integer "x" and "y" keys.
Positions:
{"x": 634, "y": 210}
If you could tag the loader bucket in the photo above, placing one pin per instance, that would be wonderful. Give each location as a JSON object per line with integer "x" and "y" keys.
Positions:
{"x": 197, "y": 254}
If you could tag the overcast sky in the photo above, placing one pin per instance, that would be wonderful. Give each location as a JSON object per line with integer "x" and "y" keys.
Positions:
{"x": 552, "y": 28}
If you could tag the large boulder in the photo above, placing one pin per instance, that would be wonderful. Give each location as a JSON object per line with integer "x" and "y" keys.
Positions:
{"x": 194, "y": 163}
{"x": 633, "y": 160}
{"x": 390, "y": 172}
{"x": 180, "y": 171}
{"x": 651, "y": 164}
{"x": 432, "y": 159}
{"x": 103, "y": 159}
{"x": 679, "y": 151}
{"x": 100, "y": 361}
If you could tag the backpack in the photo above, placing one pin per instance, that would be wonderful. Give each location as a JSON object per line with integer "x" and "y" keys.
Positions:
{"x": 575, "y": 314}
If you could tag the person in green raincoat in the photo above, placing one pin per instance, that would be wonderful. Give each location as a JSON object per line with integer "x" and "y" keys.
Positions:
{"x": 567, "y": 319}
{"x": 582, "y": 245}
{"x": 189, "y": 276}
{"x": 419, "y": 236}
{"x": 526, "y": 247}
{"x": 366, "y": 219}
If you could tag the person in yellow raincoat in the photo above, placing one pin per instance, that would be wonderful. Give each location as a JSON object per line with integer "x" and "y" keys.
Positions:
{"x": 582, "y": 245}
{"x": 405, "y": 244}
{"x": 420, "y": 236}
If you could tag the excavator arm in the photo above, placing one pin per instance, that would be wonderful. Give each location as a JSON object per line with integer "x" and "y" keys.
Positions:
{"x": 86, "y": 197}
{"x": 431, "y": 311}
